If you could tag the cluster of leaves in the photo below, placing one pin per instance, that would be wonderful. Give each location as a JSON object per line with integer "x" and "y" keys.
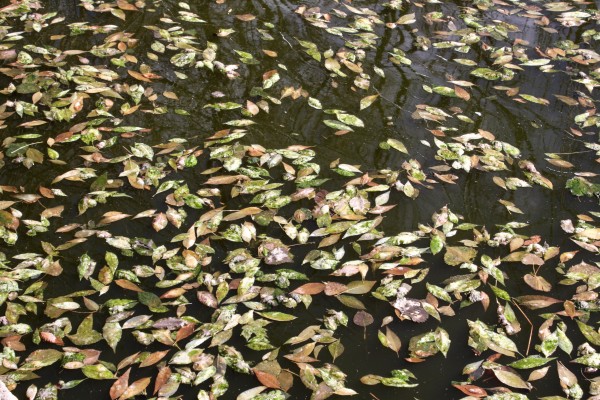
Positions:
{"x": 239, "y": 237}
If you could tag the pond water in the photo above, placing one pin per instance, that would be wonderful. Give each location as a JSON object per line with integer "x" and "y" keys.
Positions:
{"x": 271, "y": 199}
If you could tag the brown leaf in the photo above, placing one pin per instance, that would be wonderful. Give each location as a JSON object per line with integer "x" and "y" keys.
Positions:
{"x": 310, "y": 288}
{"x": 160, "y": 222}
{"x": 124, "y": 5}
{"x": 51, "y": 338}
{"x": 462, "y": 93}
{"x": 329, "y": 241}
{"x": 208, "y": 299}
{"x": 270, "y": 53}
{"x": 136, "y": 388}
{"x": 8, "y": 54}
{"x": 532, "y": 259}
{"x": 266, "y": 379}
{"x": 52, "y": 212}
{"x": 363, "y": 318}
{"x": 154, "y": 358}
{"x": 173, "y": 293}
{"x": 516, "y": 243}
{"x": 184, "y": 332}
{"x": 414, "y": 360}
{"x": 125, "y": 284}
{"x": 225, "y": 179}
{"x": 138, "y": 76}
{"x": 393, "y": 340}
{"x": 460, "y": 254}
{"x": 242, "y": 213}
{"x": 8, "y": 220}
{"x": 112, "y": 216}
{"x": 472, "y": 390}
{"x": 36, "y": 122}
{"x": 534, "y": 302}
{"x": 538, "y": 374}
{"x": 44, "y": 191}
{"x": 286, "y": 380}
{"x": 163, "y": 376}
{"x": 246, "y": 18}
{"x": 127, "y": 361}
{"x": 511, "y": 379}
{"x": 566, "y": 377}
{"x": 252, "y": 107}
{"x": 120, "y": 385}
{"x": 570, "y": 309}
{"x": 334, "y": 288}
{"x": 564, "y": 257}
{"x": 537, "y": 282}
{"x": 13, "y": 342}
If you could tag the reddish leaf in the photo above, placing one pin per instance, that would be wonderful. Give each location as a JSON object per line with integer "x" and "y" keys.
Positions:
{"x": 163, "y": 376}
{"x": 153, "y": 358}
{"x": 267, "y": 379}
{"x": 471, "y": 390}
{"x": 363, "y": 318}
{"x": 310, "y": 288}
{"x": 51, "y": 338}
{"x": 184, "y": 332}
{"x": 136, "y": 388}
{"x": 120, "y": 385}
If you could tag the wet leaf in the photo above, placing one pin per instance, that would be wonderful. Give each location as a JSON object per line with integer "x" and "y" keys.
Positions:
{"x": 136, "y": 388}
{"x": 120, "y": 385}
{"x": 363, "y": 318}
{"x": 511, "y": 379}
{"x": 97, "y": 371}
{"x": 457, "y": 255}
{"x": 277, "y": 316}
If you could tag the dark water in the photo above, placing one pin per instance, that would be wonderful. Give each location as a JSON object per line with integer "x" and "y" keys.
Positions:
{"x": 533, "y": 128}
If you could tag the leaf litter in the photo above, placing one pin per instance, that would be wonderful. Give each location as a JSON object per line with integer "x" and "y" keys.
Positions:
{"x": 233, "y": 224}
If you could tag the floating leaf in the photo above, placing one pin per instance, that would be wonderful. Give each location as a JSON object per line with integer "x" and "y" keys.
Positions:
{"x": 363, "y": 318}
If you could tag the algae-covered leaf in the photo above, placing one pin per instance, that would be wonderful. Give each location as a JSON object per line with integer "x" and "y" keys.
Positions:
{"x": 277, "y": 316}
{"x": 511, "y": 379}
{"x": 398, "y": 145}
{"x": 97, "y": 371}
{"x": 86, "y": 334}
{"x": 530, "y": 362}
{"x": 590, "y": 333}
{"x": 456, "y": 255}
{"x": 486, "y": 73}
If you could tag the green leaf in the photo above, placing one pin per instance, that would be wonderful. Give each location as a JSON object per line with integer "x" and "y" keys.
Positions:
{"x": 436, "y": 244}
{"x": 97, "y": 371}
{"x": 350, "y": 119}
{"x": 41, "y": 358}
{"x": 591, "y": 360}
{"x": 112, "y": 334}
{"x": 530, "y": 362}
{"x": 86, "y": 334}
{"x": 398, "y": 145}
{"x": 367, "y": 101}
{"x": 486, "y": 73}
{"x": 590, "y": 333}
{"x": 438, "y": 292}
{"x": 337, "y": 125}
{"x": 442, "y": 340}
{"x": 277, "y": 316}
